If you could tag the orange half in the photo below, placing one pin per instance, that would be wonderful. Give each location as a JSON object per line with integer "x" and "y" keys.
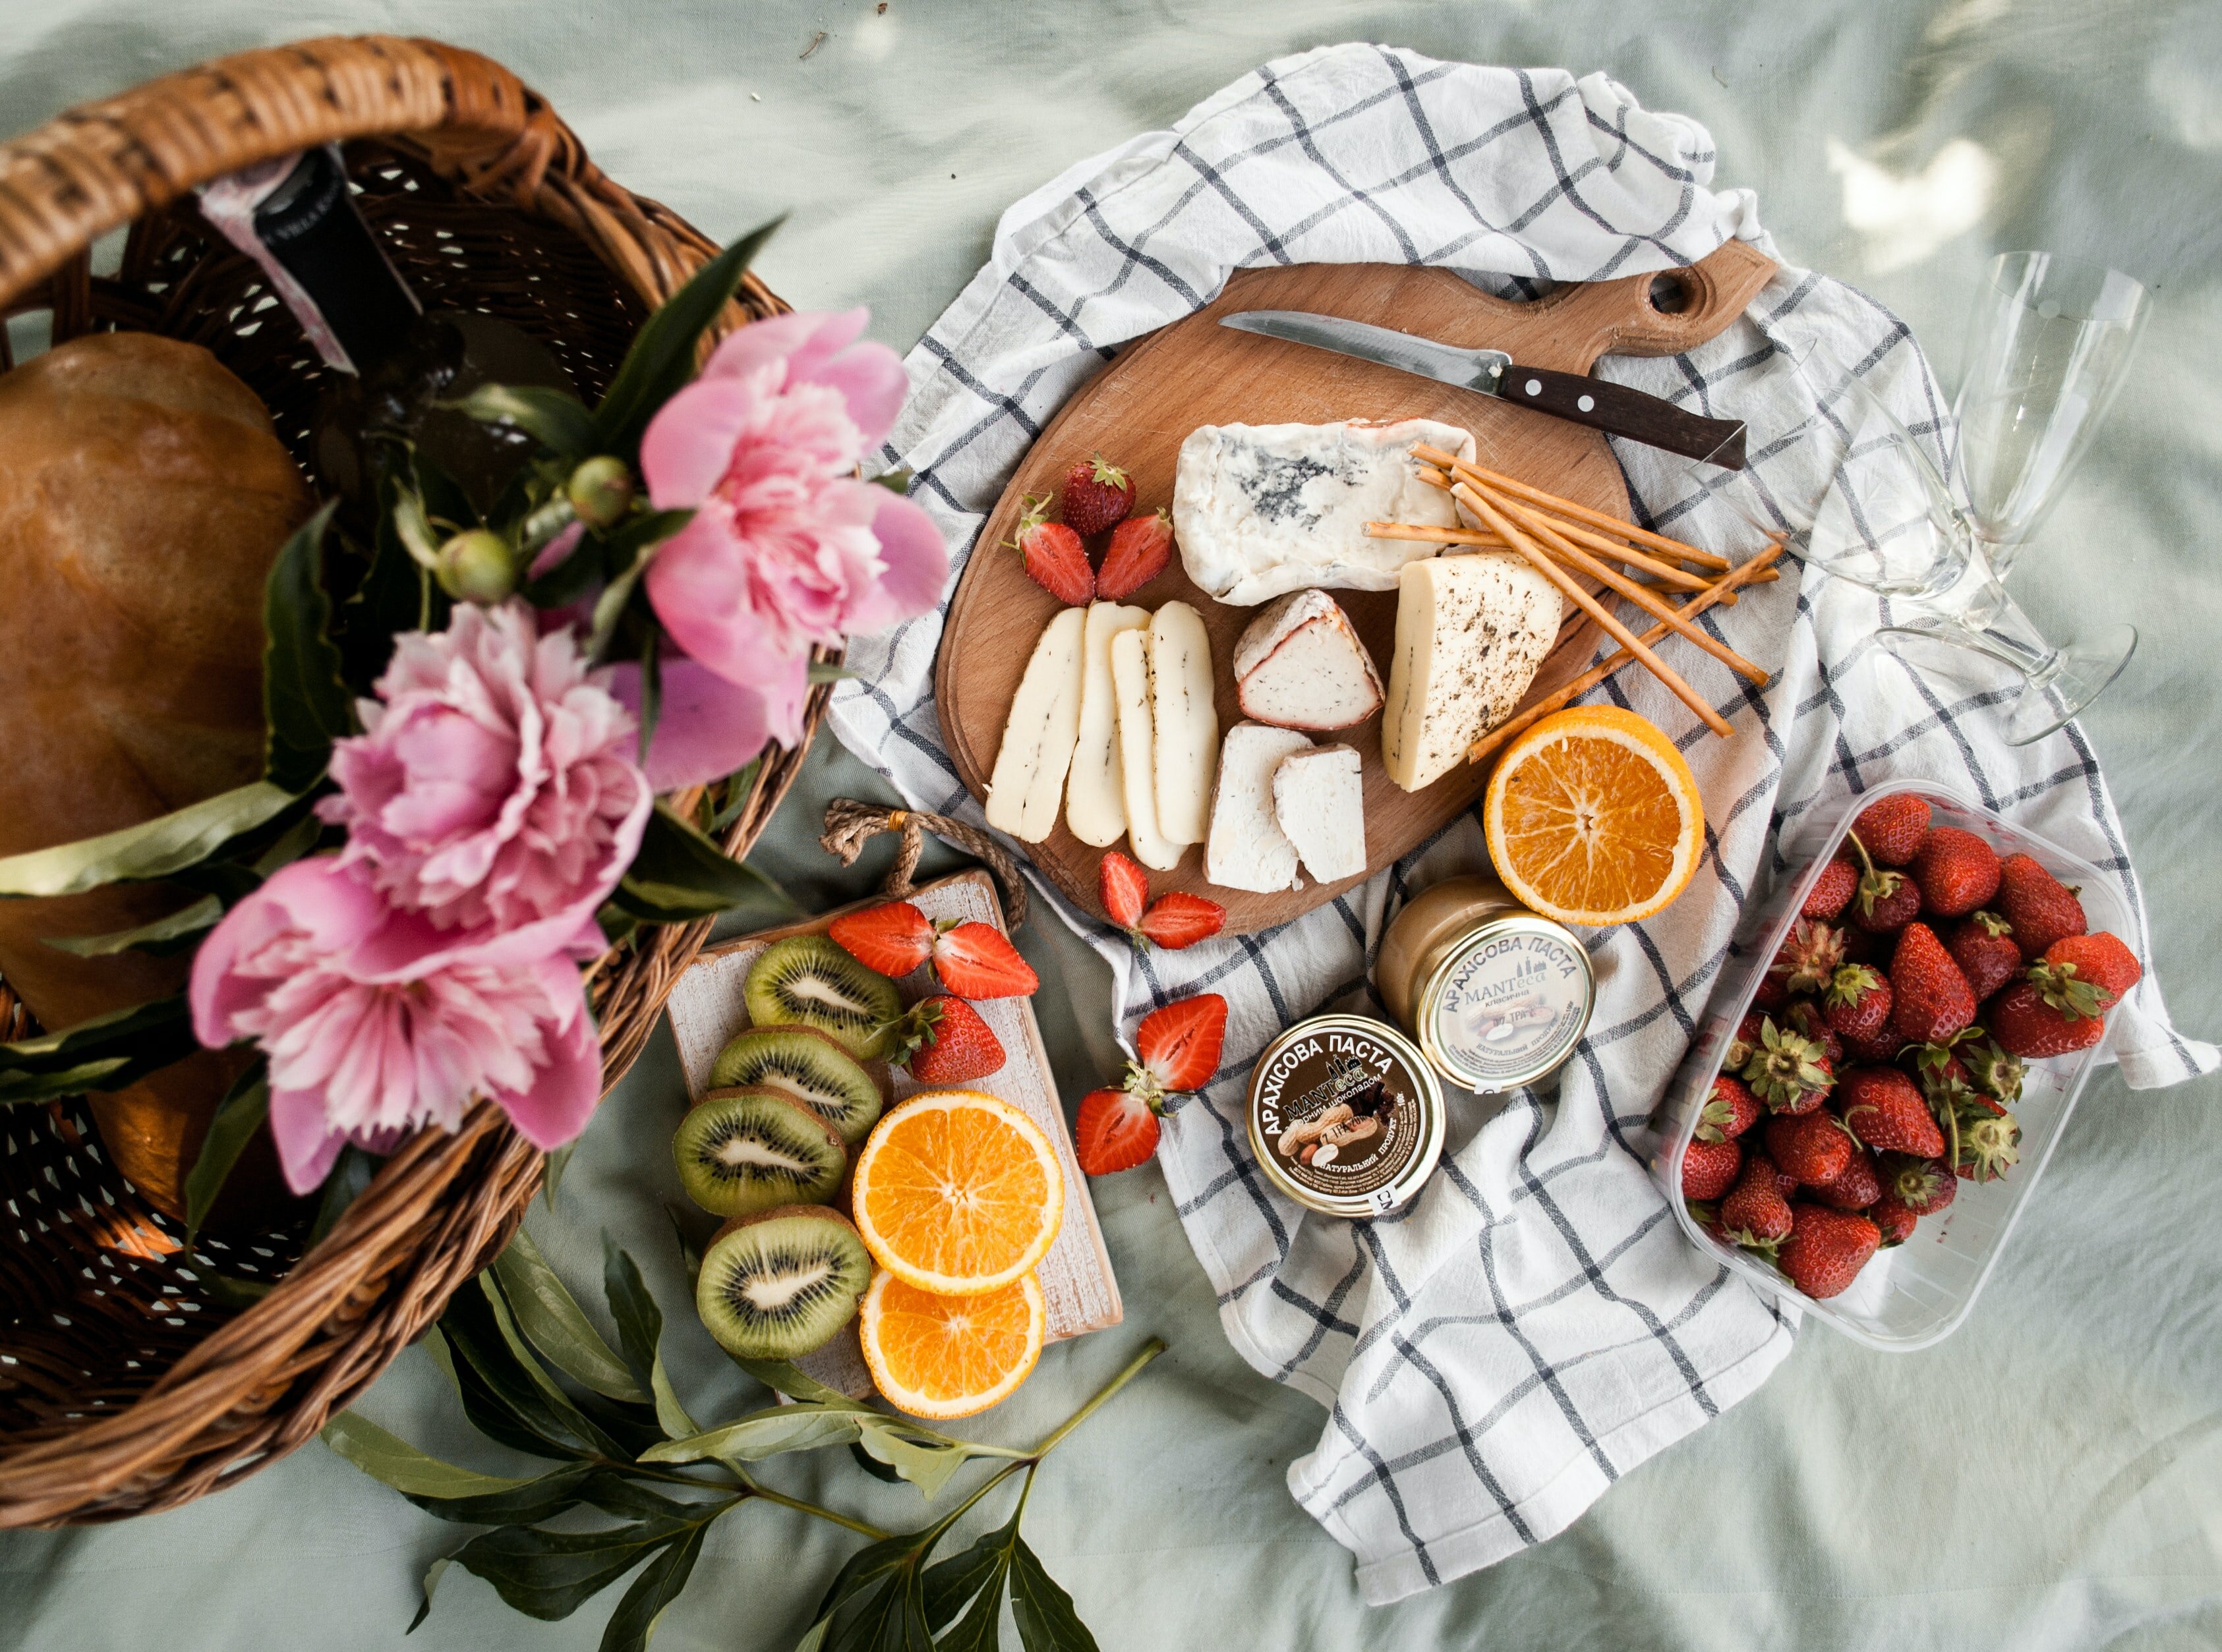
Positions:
{"x": 949, "y": 1357}
{"x": 957, "y": 1192}
{"x": 1593, "y": 818}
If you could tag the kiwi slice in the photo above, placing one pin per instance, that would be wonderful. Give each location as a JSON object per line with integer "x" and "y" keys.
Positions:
{"x": 745, "y": 1150}
{"x": 807, "y": 1066}
{"x": 779, "y": 1284}
{"x": 807, "y": 981}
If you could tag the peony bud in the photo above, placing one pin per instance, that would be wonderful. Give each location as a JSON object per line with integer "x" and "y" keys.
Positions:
{"x": 600, "y": 491}
{"x": 477, "y": 567}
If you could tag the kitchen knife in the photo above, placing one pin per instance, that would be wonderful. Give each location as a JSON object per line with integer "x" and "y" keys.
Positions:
{"x": 1613, "y": 408}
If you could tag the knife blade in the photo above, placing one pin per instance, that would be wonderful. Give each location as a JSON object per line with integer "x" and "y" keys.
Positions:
{"x": 1614, "y": 409}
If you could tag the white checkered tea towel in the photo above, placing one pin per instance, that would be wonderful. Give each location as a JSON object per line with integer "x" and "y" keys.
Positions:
{"x": 1500, "y": 1351}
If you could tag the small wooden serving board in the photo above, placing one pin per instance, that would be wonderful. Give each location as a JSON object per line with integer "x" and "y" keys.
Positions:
{"x": 1140, "y": 410}
{"x": 1080, "y": 1293}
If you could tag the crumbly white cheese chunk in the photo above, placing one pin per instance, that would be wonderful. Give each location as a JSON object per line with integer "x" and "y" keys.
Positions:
{"x": 1247, "y": 848}
{"x": 1260, "y": 510}
{"x": 1299, "y": 664}
{"x": 1319, "y": 802}
{"x": 1471, "y": 629}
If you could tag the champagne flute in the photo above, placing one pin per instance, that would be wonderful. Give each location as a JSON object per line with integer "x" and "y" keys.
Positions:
{"x": 2049, "y": 345}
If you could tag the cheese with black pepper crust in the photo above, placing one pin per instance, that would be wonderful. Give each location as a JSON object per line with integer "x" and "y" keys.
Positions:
{"x": 1470, "y": 630}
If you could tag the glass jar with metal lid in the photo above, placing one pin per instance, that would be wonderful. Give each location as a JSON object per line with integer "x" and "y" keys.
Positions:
{"x": 1345, "y": 1116}
{"x": 1496, "y": 995}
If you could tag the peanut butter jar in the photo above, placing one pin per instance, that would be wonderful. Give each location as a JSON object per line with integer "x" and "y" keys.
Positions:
{"x": 1496, "y": 996}
{"x": 1345, "y": 1116}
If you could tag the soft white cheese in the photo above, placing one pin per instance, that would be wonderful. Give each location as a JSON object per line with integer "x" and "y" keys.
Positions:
{"x": 1185, "y": 719}
{"x": 1260, "y": 510}
{"x": 1247, "y": 848}
{"x": 1319, "y": 802}
{"x": 1299, "y": 664}
{"x": 1471, "y": 629}
{"x": 1095, "y": 803}
{"x": 1039, "y": 734}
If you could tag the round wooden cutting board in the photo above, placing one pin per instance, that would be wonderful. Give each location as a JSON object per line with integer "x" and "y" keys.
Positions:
{"x": 1138, "y": 411}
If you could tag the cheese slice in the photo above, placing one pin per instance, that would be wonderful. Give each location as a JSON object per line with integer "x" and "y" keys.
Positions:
{"x": 1185, "y": 720}
{"x": 1471, "y": 629}
{"x": 1247, "y": 849}
{"x": 1038, "y": 733}
{"x": 1138, "y": 769}
{"x": 1299, "y": 664}
{"x": 1319, "y": 802}
{"x": 1095, "y": 802}
{"x": 1261, "y": 510}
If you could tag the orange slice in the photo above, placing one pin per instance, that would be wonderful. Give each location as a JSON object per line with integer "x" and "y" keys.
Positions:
{"x": 1593, "y": 818}
{"x": 957, "y": 1192}
{"x": 949, "y": 1357}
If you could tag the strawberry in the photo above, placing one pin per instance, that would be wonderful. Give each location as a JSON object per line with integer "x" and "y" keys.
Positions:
{"x": 1770, "y": 993}
{"x": 2027, "y": 1025}
{"x": 1857, "y": 1003}
{"x": 1813, "y": 1146}
{"x": 1885, "y": 1111}
{"x": 2101, "y": 959}
{"x": 1177, "y": 920}
{"x": 1945, "y": 1081}
{"x": 977, "y": 960}
{"x": 1116, "y": 1129}
{"x": 2041, "y": 908}
{"x": 1805, "y": 1016}
{"x": 1990, "y": 1145}
{"x": 1056, "y": 560}
{"x": 1826, "y": 1249}
{"x": 1924, "y": 1187}
{"x": 1956, "y": 870}
{"x": 1097, "y": 495}
{"x": 1878, "y": 1051}
{"x": 1893, "y": 1221}
{"x": 1891, "y": 831}
{"x": 1865, "y": 947}
{"x": 1755, "y": 1213}
{"x": 1745, "y": 1041}
{"x": 1929, "y": 998}
{"x": 1890, "y": 912}
{"x": 1982, "y": 945}
{"x": 1808, "y": 957}
{"x": 943, "y": 1040}
{"x": 1179, "y": 1044}
{"x": 892, "y": 939}
{"x": 1856, "y": 1187}
{"x": 1788, "y": 1072}
{"x": 1124, "y": 888}
{"x": 1995, "y": 1075}
{"x": 1730, "y": 1109}
{"x": 1787, "y": 1185}
{"x": 1831, "y": 892}
{"x": 1140, "y": 549}
{"x": 1709, "y": 1169}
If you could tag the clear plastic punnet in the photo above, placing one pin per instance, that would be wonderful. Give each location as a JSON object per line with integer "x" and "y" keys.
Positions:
{"x": 1916, "y": 1294}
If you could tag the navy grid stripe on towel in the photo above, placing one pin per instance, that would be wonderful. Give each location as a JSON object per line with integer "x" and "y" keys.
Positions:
{"x": 1534, "y": 1326}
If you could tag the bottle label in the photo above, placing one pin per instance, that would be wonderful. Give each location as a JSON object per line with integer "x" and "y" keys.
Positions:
{"x": 1511, "y": 1007}
{"x": 1342, "y": 1115}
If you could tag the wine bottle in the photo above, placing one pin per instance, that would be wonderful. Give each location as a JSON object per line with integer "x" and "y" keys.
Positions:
{"x": 392, "y": 365}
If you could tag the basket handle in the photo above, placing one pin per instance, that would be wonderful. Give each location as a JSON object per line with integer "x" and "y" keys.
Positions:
{"x": 109, "y": 163}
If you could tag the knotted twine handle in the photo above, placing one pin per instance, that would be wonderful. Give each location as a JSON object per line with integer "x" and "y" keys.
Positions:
{"x": 851, "y": 824}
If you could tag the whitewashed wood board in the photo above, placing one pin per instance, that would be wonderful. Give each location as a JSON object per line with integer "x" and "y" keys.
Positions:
{"x": 1080, "y": 1292}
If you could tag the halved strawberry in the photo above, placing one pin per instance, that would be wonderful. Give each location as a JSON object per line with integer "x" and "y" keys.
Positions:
{"x": 1116, "y": 1131}
{"x": 1056, "y": 560}
{"x": 1140, "y": 549}
{"x": 1125, "y": 888}
{"x": 977, "y": 961}
{"x": 1177, "y": 920}
{"x": 894, "y": 939}
{"x": 1179, "y": 1044}
{"x": 942, "y": 1040}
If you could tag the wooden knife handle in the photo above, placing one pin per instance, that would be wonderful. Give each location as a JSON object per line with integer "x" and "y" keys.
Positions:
{"x": 1619, "y": 411}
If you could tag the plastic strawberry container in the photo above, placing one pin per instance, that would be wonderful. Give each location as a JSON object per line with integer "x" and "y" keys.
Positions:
{"x": 1916, "y": 1294}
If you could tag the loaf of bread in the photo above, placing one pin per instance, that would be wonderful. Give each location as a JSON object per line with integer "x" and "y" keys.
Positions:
{"x": 144, "y": 496}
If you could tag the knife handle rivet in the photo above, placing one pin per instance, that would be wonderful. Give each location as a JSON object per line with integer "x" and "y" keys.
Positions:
{"x": 1534, "y": 387}
{"x": 1587, "y": 403}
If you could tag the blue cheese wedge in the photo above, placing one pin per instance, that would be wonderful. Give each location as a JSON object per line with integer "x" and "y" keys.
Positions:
{"x": 1263, "y": 510}
{"x": 1470, "y": 630}
{"x": 1247, "y": 849}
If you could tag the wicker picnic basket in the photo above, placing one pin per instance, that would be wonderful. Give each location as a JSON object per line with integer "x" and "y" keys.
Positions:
{"x": 131, "y": 1377}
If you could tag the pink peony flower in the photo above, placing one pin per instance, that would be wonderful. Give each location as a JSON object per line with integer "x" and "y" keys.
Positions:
{"x": 494, "y": 783}
{"x": 375, "y": 1020}
{"x": 786, "y": 549}
{"x": 706, "y": 727}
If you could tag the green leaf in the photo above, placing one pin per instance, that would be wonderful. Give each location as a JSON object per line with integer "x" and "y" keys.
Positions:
{"x": 679, "y": 876}
{"x": 876, "y": 1599}
{"x": 1046, "y": 1621}
{"x": 555, "y": 420}
{"x": 690, "y": 1253}
{"x": 526, "y": 1504}
{"x": 546, "y": 1574}
{"x": 393, "y": 1461}
{"x": 432, "y": 1575}
{"x": 662, "y": 357}
{"x": 640, "y": 1330}
{"x": 760, "y": 1434}
{"x": 152, "y": 848}
{"x": 815, "y": 1640}
{"x": 828, "y": 671}
{"x": 614, "y": 1492}
{"x": 926, "y": 1467}
{"x": 568, "y": 1416}
{"x": 305, "y": 704}
{"x": 238, "y": 1116}
{"x": 106, "y": 1053}
{"x": 632, "y": 546}
{"x": 152, "y": 938}
{"x": 651, "y": 690}
{"x": 349, "y": 1179}
{"x": 19, "y": 1087}
{"x": 499, "y": 1397}
{"x": 978, "y": 1575}
{"x": 658, "y": 1585}
{"x": 895, "y": 481}
{"x": 552, "y": 1320}
{"x": 873, "y": 1466}
{"x": 551, "y": 1171}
